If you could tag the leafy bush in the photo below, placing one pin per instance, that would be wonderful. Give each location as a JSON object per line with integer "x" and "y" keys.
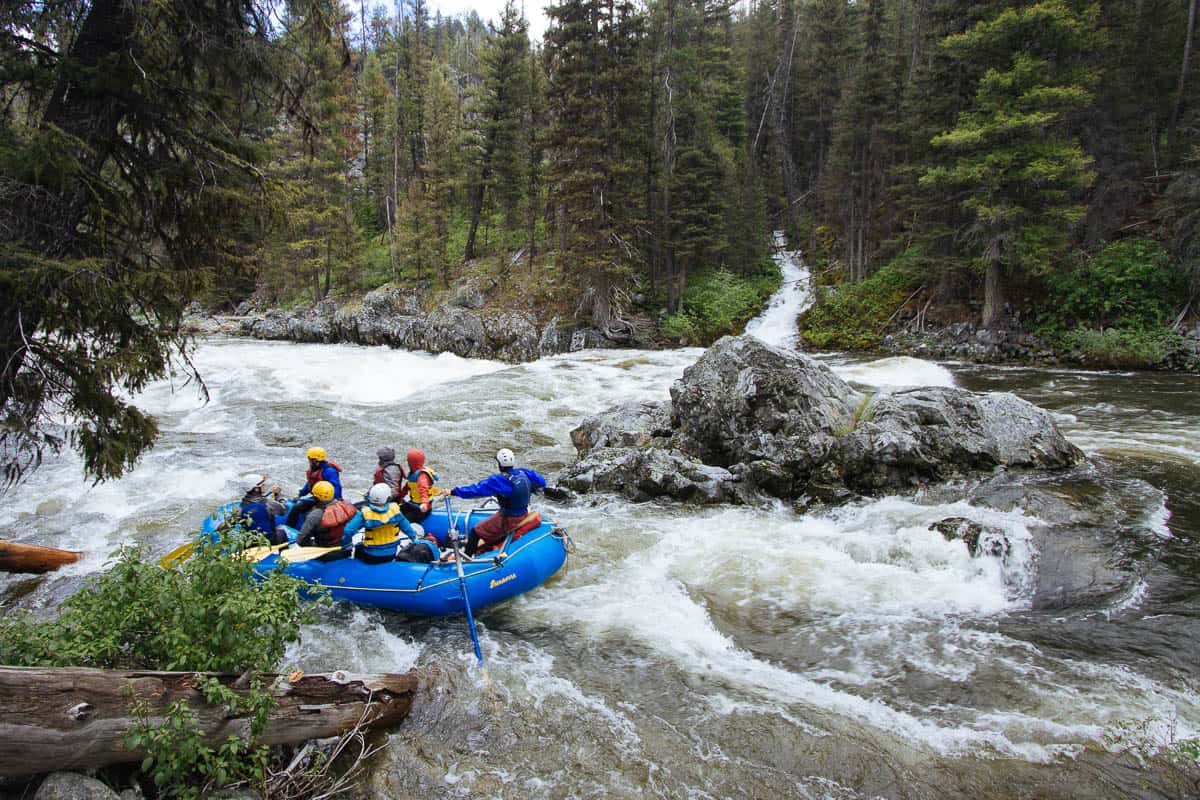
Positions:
{"x": 854, "y": 316}
{"x": 1129, "y": 284}
{"x": 1123, "y": 348}
{"x": 207, "y": 615}
{"x": 717, "y": 302}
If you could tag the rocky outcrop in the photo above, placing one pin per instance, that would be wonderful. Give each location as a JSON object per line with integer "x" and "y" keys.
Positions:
{"x": 923, "y": 435}
{"x": 639, "y": 474}
{"x": 390, "y": 316}
{"x": 749, "y": 418}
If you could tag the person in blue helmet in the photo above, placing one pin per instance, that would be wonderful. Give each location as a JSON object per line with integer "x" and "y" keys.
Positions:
{"x": 512, "y": 487}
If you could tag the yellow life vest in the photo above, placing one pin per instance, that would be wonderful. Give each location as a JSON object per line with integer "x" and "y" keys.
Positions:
{"x": 377, "y": 529}
{"x": 414, "y": 489}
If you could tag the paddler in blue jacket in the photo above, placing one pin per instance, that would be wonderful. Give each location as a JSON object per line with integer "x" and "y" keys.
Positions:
{"x": 375, "y": 531}
{"x": 321, "y": 469}
{"x": 512, "y": 487}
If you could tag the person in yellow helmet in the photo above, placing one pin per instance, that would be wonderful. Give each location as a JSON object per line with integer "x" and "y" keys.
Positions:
{"x": 320, "y": 468}
{"x": 326, "y": 521}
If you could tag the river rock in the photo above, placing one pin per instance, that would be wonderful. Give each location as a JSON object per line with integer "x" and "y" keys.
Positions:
{"x": 640, "y": 474}
{"x": 745, "y": 401}
{"x": 455, "y": 330}
{"x": 978, "y": 538}
{"x": 512, "y": 336}
{"x": 782, "y": 424}
{"x": 928, "y": 434}
{"x": 73, "y": 786}
{"x": 629, "y": 425}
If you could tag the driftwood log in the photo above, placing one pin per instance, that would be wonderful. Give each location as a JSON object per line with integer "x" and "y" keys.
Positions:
{"x": 33, "y": 558}
{"x": 66, "y": 718}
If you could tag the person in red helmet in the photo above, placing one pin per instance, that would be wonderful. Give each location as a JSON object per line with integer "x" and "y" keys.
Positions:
{"x": 421, "y": 487}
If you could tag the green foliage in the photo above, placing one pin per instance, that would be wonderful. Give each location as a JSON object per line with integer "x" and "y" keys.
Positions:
{"x": 1129, "y": 284}
{"x": 855, "y": 316}
{"x": 206, "y": 616}
{"x": 178, "y": 759}
{"x": 1124, "y": 348}
{"x": 717, "y": 302}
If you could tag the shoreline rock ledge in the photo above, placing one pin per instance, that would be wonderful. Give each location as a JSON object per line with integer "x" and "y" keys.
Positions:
{"x": 749, "y": 420}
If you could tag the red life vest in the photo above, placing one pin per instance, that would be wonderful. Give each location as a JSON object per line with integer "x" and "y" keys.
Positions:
{"x": 333, "y": 522}
{"x": 314, "y": 475}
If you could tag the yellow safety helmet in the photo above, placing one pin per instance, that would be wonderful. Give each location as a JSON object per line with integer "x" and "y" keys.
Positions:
{"x": 323, "y": 491}
{"x": 316, "y": 453}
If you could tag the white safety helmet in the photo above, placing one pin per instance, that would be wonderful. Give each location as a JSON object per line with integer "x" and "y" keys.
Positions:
{"x": 379, "y": 495}
{"x": 505, "y": 458}
{"x": 251, "y": 481}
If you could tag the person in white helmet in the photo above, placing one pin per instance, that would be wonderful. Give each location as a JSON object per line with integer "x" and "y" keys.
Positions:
{"x": 375, "y": 531}
{"x": 260, "y": 508}
{"x": 512, "y": 487}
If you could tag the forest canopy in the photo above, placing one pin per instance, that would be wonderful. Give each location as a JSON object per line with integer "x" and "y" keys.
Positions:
{"x": 1003, "y": 158}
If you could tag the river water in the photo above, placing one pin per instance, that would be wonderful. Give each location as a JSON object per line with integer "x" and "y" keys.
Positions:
{"x": 724, "y": 652}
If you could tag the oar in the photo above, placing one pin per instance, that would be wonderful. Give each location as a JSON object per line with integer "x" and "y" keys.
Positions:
{"x": 177, "y": 556}
{"x": 261, "y": 552}
{"x": 462, "y": 580}
{"x": 298, "y": 554}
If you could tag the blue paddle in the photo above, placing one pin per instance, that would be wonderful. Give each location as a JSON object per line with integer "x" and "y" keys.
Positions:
{"x": 452, "y": 535}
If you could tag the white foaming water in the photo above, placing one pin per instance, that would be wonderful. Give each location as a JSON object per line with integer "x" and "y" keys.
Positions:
{"x": 896, "y": 372}
{"x": 244, "y": 371}
{"x": 777, "y": 325}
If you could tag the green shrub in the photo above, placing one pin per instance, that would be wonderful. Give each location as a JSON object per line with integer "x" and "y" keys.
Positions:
{"x": 207, "y": 615}
{"x": 1123, "y": 348}
{"x": 1129, "y": 284}
{"x": 717, "y": 302}
{"x": 854, "y": 316}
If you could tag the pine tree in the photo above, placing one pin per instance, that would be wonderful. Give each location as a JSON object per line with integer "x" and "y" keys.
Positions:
{"x": 1020, "y": 171}
{"x": 499, "y": 105}
{"x": 126, "y": 141}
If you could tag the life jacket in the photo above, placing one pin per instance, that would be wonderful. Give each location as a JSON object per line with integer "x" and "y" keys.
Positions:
{"x": 377, "y": 529}
{"x": 517, "y": 503}
{"x": 316, "y": 474}
{"x": 414, "y": 489}
{"x": 333, "y": 521}
{"x": 379, "y": 478}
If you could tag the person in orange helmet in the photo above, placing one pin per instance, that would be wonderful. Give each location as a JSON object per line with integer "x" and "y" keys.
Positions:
{"x": 421, "y": 487}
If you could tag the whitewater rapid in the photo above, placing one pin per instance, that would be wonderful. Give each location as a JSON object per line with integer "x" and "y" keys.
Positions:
{"x": 684, "y": 652}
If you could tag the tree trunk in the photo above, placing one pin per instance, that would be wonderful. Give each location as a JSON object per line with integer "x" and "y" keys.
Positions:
{"x": 33, "y": 558}
{"x": 993, "y": 294}
{"x": 70, "y": 718}
{"x": 1183, "y": 70}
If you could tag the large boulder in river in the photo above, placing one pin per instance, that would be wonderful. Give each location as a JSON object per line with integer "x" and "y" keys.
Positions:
{"x": 920, "y": 435}
{"x": 745, "y": 401}
{"x": 784, "y": 425}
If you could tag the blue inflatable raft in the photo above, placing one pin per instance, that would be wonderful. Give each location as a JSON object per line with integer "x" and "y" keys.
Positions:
{"x": 430, "y": 589}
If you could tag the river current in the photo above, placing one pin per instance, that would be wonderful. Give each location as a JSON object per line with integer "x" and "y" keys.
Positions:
{"x": 725, "y": 652}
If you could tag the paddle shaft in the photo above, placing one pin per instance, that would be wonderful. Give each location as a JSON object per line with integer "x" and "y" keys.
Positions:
{"x": 462, "y": 580}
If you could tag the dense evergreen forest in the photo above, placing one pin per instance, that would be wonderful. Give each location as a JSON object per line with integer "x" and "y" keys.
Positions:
{"x": 995, "y": 161}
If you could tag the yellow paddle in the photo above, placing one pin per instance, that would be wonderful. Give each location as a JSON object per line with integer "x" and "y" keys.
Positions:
{"x": 177, "y": 556}
{"x": 297, "y": 554}
{"x": 259, "y": 553}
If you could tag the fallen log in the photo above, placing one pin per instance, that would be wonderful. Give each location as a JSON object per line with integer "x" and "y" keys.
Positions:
{"x": 34, "y": 558}
{"x": 69, "y": 718}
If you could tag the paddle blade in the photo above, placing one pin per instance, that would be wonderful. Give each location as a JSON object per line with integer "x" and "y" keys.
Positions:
{"x": 297, "y": 554}
{"x": 177, "y": 556}
{"x": 259, "y": 553}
